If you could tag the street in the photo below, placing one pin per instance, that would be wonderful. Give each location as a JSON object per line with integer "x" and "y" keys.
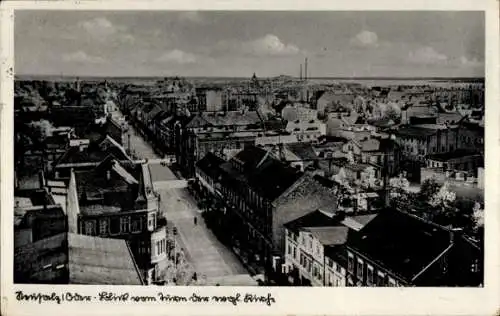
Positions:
{"x": 207, "y": 255}
{"x": 138, "y": 145}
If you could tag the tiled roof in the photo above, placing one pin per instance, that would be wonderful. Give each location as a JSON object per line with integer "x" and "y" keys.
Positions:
{"x": 304, "y": 151}
{"x": 415, "y": 132}
{"x": 261, "y": 171}
{"x": 400, "y": 242}
{"x": 313, "y": 219}
{"x": 83, "y": 260}
{"x": 123, "y": 173}
{"x": 107, "y": 147}
{"x": 308, "y": 194}
{"x": 231, "y": 118}
{"x": 370, "y": 145}
{"x": 357, "y": 222}
{"x": 250, "y": 157}
{"x": 210, "y": 164}
{"x": 273, "y": 178}
{"x": 331, "y": 235}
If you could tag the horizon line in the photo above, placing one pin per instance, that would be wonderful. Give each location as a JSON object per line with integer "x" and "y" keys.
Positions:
{"x": 243, "y": 77}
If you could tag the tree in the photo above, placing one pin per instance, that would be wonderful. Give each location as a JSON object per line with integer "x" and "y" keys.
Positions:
{"x": 478, "y": 216}
{"x": 41, "y": 129}
{"x": 400, "y": 195}
{"x": 443, "y": 198}
{"x": 368, "y": 179}
{"x": 428, "y": 189}
{"x": 393, "y": 112}
{"x": 399, "y": 186}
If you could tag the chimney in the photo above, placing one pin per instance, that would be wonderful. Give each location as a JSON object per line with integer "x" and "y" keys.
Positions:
{"x": 300, "y": 72}
{"x": 305, "y": 69}
{"x": 41, "y": 179}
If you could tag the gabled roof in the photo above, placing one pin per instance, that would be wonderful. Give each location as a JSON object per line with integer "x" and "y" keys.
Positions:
{"x": 197, "y": 121}
{"x": 400, "y": 242}
{"x": 210, "y": 164}
{"x": 303, "y": 151}
{"x": 260, "y": 171}
{"x": 124, "y": 174}
{"x": 308, "y": 194}
{"x": 357, "y": 222}
{"x": 273, "y": 178}
{"x": 106, "y": 147}
{"x": 251, "y": 157}
{"x": 315, "y": 218}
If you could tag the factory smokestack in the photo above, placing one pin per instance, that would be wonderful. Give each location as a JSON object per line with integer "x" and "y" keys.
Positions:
{"x": 305, "y": 70}
{"x": 300, "y": 76}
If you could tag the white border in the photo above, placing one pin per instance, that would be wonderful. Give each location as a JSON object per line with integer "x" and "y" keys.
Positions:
{"x": 331, "y": 301}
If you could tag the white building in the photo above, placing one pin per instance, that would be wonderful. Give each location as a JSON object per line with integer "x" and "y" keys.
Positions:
{"x": 312, "y": 242}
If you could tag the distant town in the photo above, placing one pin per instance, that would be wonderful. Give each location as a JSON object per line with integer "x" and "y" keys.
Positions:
{"x": 282, "y": 181}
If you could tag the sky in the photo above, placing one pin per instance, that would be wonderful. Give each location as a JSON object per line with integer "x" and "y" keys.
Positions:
{"x": 239, "y": 43}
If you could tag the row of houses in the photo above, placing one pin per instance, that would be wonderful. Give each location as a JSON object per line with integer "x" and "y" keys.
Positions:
{"x": 292, "y": 226}
{"x": 389, "y": 248}
{"x": 97, "y": 201}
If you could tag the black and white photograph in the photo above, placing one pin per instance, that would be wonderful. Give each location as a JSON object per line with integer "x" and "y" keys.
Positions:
{"x": 249, "y": 148}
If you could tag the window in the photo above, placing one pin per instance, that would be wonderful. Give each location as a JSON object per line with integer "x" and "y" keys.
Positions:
{"x": 359, "y": 270}
{"x": 152, "y": 221}
{"x": 114, "y": 225}
{"x": 350, "y": 263}
{"x": 301, "y": 259}
{"x": 391, "y": 282}
{"x": 294, "y": 252}
{"x": 289, "y": 249}
{"x": 136, "y": 225}
{"x": 338, "y": 268}
{"x": 369, "y": 275}
{"x": 103, "y": 226}
{"x": 380, "y": 279}
{"x": 90, "y": 228}
{"x": 474, "y": 266}
{"x": 124, "y": 224}
{"x": 330, "y": 263}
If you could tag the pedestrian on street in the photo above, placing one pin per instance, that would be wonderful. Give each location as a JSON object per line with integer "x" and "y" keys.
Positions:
{"x": 195, "y": 220}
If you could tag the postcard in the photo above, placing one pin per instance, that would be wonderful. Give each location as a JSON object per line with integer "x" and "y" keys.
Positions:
{"x": 250, "y": 158}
